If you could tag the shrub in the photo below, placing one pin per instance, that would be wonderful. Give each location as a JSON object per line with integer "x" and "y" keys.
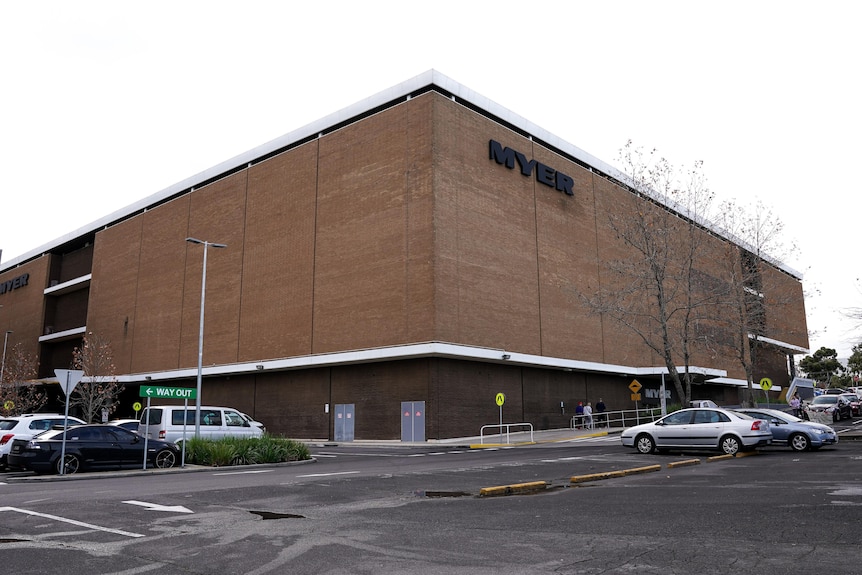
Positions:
{"x": 244, "y": 450}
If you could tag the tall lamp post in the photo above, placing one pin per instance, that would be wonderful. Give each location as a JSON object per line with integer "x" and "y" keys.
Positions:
{"x": 3, "y": 365}
{"x": 201, "y": 333}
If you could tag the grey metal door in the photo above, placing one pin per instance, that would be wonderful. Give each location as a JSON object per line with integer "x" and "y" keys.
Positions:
{"x": 412, "y": 421}
{"x": 344, "y": 420}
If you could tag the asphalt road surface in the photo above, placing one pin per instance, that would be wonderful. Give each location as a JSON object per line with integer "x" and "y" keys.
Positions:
{"x": 411, "y": 510}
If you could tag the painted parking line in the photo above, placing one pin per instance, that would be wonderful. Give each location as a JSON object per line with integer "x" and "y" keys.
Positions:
{"x": 329, "y": 474}
{"x": 72, "y": 522}
{"x": 250, "y": 471}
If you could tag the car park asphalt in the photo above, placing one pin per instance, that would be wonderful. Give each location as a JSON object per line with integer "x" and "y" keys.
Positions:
{"x": 519, "y": 439}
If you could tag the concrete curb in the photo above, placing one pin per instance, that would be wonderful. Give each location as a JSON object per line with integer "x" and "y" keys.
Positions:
{"x": 513, "y": 489}
{"x": 683, "y": 463}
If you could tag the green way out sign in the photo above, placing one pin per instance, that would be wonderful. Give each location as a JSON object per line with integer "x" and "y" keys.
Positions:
{"x": 160, "y": 392}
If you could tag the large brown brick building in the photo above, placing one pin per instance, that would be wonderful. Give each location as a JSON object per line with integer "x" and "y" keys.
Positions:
{"x": 384, "y": 254}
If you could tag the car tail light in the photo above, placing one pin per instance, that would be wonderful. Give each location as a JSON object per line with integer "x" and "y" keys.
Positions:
{"x": 757, "y": 425}
{"x": 162, "y": 434}
{"x": 5, "y": 439}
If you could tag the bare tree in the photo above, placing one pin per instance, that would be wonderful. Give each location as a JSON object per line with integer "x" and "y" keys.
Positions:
{"x": 17, "y": 393}
{"x": 659, "y": 293}
{"x": 99, "y": 388}
{"x": 758, "y": 235}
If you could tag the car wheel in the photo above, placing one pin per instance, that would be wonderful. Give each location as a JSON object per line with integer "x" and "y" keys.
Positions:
{"x": 799, "y": 442}
{"x": 70, "y": 467}
{"x": 644, "y": 443}
{"x": 165, "y": 459}
{"x": 729, "y": 445}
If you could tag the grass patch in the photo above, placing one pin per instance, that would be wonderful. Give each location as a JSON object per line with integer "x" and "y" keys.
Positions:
{"x": 244, "y": 451}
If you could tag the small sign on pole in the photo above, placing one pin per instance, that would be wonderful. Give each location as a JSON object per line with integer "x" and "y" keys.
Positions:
{"x": 68, "y": 379}
{"x": 501, "y": 399}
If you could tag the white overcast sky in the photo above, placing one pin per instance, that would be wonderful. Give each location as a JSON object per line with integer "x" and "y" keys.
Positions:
{"x": 105, "y": 103}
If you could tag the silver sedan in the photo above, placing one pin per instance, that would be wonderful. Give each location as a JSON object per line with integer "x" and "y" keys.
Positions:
{"x": 793, "y": 432}
{"x": 712, "y": 428}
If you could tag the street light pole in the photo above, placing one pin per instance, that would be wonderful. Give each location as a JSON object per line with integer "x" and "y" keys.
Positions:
{"x": 3, "y": 365}
{"x": 206, "y": 245}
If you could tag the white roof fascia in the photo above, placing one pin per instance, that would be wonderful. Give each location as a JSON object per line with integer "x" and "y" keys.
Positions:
{"x": 419, "y": 350}
{"x": 780, "y": 344}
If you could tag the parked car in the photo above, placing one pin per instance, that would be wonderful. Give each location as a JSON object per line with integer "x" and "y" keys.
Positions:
{"x": 793, "y": 432}
{"x": 88, "y": 448}
{"x": 833, "y": 391}
{"x": 130, "y": 424}
{"x": 836, "y": 406}
{"x": 853, "y": 400}
{"x": 699, "y": 428}
{"x": 253, "y": 422}
{"x": 174, "y": 422}
{"x": 702, "y": 403}
{"x": 25, "y": 427}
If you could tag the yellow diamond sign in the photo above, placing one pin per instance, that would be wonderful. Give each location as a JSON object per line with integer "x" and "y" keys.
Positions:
{"x": 635, "y": 386}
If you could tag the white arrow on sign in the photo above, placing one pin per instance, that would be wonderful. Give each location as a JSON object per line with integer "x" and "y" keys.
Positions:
{"x": 157, "y": 507}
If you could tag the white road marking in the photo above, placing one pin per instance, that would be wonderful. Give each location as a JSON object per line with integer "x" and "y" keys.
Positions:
{"x": 328, "y": 474}
{"x": 244, "y": 472}
{"x": 72, "y": 522}
{"x": 157, "y": 507}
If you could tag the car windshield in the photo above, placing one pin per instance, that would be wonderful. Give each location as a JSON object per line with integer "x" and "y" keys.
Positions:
{"x": 825, "y": 399}
{"x": 7, "y": 424}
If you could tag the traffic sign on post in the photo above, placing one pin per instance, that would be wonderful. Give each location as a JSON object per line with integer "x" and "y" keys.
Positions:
{"x": 157, "y": 391}
{"x": 68, "y": 379}
{"x": 766, "y": 384}
{"x": 635, "y": 386}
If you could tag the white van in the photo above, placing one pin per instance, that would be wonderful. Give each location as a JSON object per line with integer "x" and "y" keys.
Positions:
{"x": 166, "y": 422}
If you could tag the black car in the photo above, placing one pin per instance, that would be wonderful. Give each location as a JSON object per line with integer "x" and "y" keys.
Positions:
{"x": 90, "y": 448}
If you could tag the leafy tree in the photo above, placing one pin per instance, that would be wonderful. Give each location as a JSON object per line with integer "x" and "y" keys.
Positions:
{"x": 16, "y": 394}
{"x": 99, "y": 388}
{"x": 823, "y": 366}
{"x": 854, "y": 362}
{"x": 658, "y": 293}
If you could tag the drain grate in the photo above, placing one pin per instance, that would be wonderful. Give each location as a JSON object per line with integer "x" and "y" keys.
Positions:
{"x": 7, "y": 540}
{"x": 265, "y": 515}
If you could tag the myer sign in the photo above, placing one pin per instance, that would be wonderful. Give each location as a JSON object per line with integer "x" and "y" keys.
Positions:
{"x": 160, "y": 392}
{"x": 544, "y": 174}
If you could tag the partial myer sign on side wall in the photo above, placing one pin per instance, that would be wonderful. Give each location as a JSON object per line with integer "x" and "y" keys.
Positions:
{"x": 544, "y": 174}
{"x": 14, "y": 283}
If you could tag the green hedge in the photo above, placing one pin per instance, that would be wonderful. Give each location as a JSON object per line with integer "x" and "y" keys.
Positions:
{"x": 244, "y": 451}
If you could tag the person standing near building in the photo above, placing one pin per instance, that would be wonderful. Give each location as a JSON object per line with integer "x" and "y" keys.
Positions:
{"x": 579, "y": 415}
{"x": 795, "y": 404}
{"x": 588, "y": 416}
{"x": 600, "y": 410}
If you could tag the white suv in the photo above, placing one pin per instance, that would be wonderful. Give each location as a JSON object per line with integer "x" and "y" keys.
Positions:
{"x": 25, "y": 427}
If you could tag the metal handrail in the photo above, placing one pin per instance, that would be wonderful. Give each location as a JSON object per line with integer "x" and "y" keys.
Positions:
{"x": 619, "y": 418}
{"x": 508, "y": 427}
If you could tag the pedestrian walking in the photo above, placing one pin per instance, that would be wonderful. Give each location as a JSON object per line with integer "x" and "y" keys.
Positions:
{"x": 601, "y": 418}
{"x": 579, "y": 415}
{"x": 588, "y": 416}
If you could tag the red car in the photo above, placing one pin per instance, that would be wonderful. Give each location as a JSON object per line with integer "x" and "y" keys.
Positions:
{"x": 855, "y": 404}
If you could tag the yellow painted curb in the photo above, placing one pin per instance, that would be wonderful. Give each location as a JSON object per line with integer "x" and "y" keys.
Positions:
{"x": 487, "y": 445}
{"x": 746, "y": 453}
{"x": 516, "y": 488}
{"x": 596, "y": 476}
{"x": 683, "y": 463}
{"x": 565, "y": 439}
{"x": 719, "y": 457}
{"x": 647, "y": 469}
